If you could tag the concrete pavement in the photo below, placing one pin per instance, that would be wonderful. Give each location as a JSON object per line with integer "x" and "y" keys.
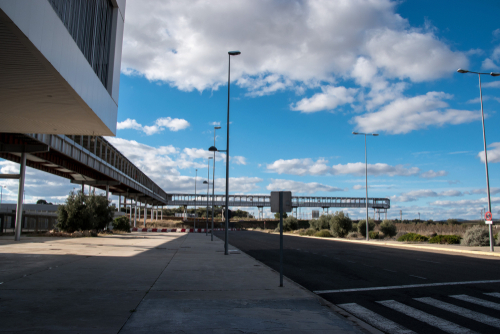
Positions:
{"x": 155, "y": 283}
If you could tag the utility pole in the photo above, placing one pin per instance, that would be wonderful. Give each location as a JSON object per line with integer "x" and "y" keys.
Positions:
{"x": 401, "y": 215}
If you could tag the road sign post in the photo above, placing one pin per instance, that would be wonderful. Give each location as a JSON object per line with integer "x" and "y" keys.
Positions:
{"x": 281, "y": 201}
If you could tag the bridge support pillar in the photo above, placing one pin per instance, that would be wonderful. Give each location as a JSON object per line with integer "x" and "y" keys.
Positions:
{"x": 83, "y": 188}
{"x": 135, "y": 213}
{"x": 107, "y": 192}
{"x": 119, "y": 203}
{"x": 185, "y": 212}
{"x": 139, "y": 216}
{"x": 146, "y": 212}
{"x": 161, "y": 213}
{"x": 19, "y": 212}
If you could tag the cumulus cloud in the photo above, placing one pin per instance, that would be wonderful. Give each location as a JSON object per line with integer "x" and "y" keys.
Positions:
{"x": 432, "y": 174}
{"x": 173, "y": 124}
{"x": 239, "y": 160}
{"x": 467, "y": 202}
{"x": 493, "y": 153}
{"x": 215, "y": 123}
{"x": 330, "y": 98}
{"x": 414, "y": 195}
{"x": 404, "y": 115}
{"x": 493, "y": 191}
{"x": 284, "y": 44}
{"x": 300, "y": 187}
{"x": 320, "y": 167}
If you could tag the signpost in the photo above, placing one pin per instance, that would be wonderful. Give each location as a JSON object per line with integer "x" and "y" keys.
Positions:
{"x": 488, "y": 218}
{"x": 281, "y": 201}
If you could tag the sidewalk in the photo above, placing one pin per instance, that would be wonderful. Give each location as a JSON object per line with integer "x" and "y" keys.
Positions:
{"x": 204, "y": 291}
{"x": 150, "y": 283}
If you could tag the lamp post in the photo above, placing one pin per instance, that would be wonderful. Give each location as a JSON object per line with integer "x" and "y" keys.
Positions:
{"x": 230, "y": 53}
{"x": 213, "y": 184}
{"x": 196, "y": 176}
{"x": 366, "y": 178}
{"x": 493, "y": 74}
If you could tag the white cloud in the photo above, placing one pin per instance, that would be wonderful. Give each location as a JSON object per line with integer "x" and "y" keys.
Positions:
{"x": 432, "y": 174}
{"x": 467, "y": 202}
{"x": 493, "y": 191}
{"x": 407, "y": 114}
{"x": 330, "y": 98}
{"x": 358, "y": 186}
{"x": 173, "y": 124}
{"x": 493, "y": 84}
{"x": 493, "y": 153}
{"x": 284, "y": 44}
{"x": 239, "y": 160}
{"x": 215, "y": 123}
{"x": 489, "y": 64}
{"x": 414, "y": 195}
{"x": 320, "y": 167}
{"x": 300, "y": 187}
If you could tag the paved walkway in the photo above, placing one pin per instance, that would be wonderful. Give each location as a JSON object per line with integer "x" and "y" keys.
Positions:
{"x": 154, "y": 283}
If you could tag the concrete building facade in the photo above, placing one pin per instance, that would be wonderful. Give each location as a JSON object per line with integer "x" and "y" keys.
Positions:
{"x": 60, "y": 66}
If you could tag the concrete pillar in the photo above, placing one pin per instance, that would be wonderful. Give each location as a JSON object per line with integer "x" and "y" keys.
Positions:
{"x": 146, "y": 212}
{"x": 161, "y": 218}
{"x": 119, "y": 202}
{"x": 83, "y": 188}
{"x": 139, "y": 218}
{"x": 19, "y": 212}
{"x": 185, "y": 212}
{"x": 135, "y": 213}
{"x": 107, "y": 192}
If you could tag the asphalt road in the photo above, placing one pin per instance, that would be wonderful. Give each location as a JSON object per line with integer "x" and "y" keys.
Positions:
{"x": 323, "y": 265}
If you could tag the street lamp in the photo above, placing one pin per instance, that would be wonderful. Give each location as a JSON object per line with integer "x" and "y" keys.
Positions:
{"x": 493, "y": 74}
{"x": 194, "y": 228}
{"x": 208, "y": 185}
{"x": 366, "y": 177}
{"x": 230, "y": 53}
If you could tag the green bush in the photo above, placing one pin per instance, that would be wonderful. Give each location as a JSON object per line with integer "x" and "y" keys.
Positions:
{"x": 323, "y": 234}
{"x": 352, "y": 235}
{"x": 476, "y": 236}
{"x": 277, "y": 215}
{"x": 445, "y": 239}
{"x": 121, "y": 224}
{"x": 388, "y": 228}
{"x": 373, "y": 234}
{"x": 309, "y": 231}
{"x": 82, "y": 212}
{"x": 413, "y": 237}
{"x": 340, "y": 224}
{"x": 362, "y": 226}
{"x": 289, "y": 224}
{"x": 354, "y": 227}
{"x": 322, "y": 223}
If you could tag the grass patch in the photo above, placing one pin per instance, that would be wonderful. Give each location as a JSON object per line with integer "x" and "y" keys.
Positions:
{"x": 323, "y": 234}
{"x": 413, "y": 237}
{"x": 445, "y": 239}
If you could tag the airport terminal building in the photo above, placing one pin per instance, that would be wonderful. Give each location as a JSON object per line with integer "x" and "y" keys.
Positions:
{"x": 60, "y": 66}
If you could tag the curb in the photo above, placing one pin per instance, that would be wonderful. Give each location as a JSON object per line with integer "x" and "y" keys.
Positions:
{"x": 179, "y": 230}
{"x": 386, "y": 244}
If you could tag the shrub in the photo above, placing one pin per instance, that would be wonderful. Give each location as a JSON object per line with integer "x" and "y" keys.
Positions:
{"x": 81, "y": 212}
{"x": 310, "y": 231}
{"x": 373, "y": 234}
{"x": 476, "y": 236}
{"x": 413, "y": 237}
{"x": 323, "y": 234}
{"x": 362, "y": 226}
{"x": 121, "y": 224}
{"x": 354, "y": 227}
{"x": 388, "y": 228}
{"x": 340, "y": 224}
{"x": 322, "y": 223}
{"x": 277, "y": 215}
{"x": 445, "y": 239}
{"x": 352, "y": 235}
{"x": 289, "y": 224}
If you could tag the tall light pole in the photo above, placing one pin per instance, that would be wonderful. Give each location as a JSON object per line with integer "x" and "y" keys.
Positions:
{"x": 194, "y": 228}
{"x": 226, "y": 216}
{"x": 213, "y": 184}
{"x": 493, "y": 74}
{"x": 366, "y": 178}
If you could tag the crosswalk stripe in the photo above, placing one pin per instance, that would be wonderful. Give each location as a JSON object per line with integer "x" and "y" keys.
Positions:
{"x": 374, "y": 319}
{"x": 478, "y": 301}
{"x": 442, "y": 324}
{"x": 493, "y": 294}
{"x": 485, "y": 319}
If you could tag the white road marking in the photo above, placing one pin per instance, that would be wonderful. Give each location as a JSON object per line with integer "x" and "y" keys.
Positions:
{"x": 428, "y": 261}
{"x": 406, "y": 286}
{"x": 442, "y": 324}
{"x": 417, "y": 276}
{"x": 392, "y": 271}
{"x": 375, "y": 319}
{"x": 478, "y": 301}
{"x": 493, "y": 294}
{"x": 485, "y": 319}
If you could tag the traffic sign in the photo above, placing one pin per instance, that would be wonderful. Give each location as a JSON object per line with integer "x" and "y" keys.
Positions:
{"x": 488, "y": 216}
{"x": 488, "y": 222}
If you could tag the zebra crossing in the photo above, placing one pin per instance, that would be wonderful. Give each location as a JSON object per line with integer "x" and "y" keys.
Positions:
{"x": 391, "y": 327}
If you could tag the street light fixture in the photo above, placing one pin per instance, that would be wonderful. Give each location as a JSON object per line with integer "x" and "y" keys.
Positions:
{"x": 366, "y": 177}
{"x": 213, "y": 149}
{"x": 226, "y": 245}
{"x": 208, "y": 184}
{"x": 493, "y": 74}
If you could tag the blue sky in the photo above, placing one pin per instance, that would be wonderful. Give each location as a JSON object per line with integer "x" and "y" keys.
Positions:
{"x": 310, "y": 73}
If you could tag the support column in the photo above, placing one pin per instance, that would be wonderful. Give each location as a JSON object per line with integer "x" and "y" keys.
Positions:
{"x": 119, "y": 203}
{"x": 146, "y": 212}
{"x": 135, "y": 213}
{"x": 161, "y": 212}
{"x": 185, "y": 212}
{"x": 107, "y": 192}
{"x": 139, "y": 218}
{"x": 19, "y": 212}
{"x": 83, "y": 188}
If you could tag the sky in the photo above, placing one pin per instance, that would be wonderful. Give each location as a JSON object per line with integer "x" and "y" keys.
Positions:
{"x": 309, "y": 74}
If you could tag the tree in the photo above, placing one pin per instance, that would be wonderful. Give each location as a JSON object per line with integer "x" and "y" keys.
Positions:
{"x": 362, "y": 226}
{"x": 340, "y": 224}
{"x": 277, "y": 215}
{"x": 41, "y": 201}
{"x": 388, "y": 228}
{"x": 322, "y": 223}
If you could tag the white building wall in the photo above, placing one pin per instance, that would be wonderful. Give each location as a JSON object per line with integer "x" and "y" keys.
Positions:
{"x": 41, "y": 25}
